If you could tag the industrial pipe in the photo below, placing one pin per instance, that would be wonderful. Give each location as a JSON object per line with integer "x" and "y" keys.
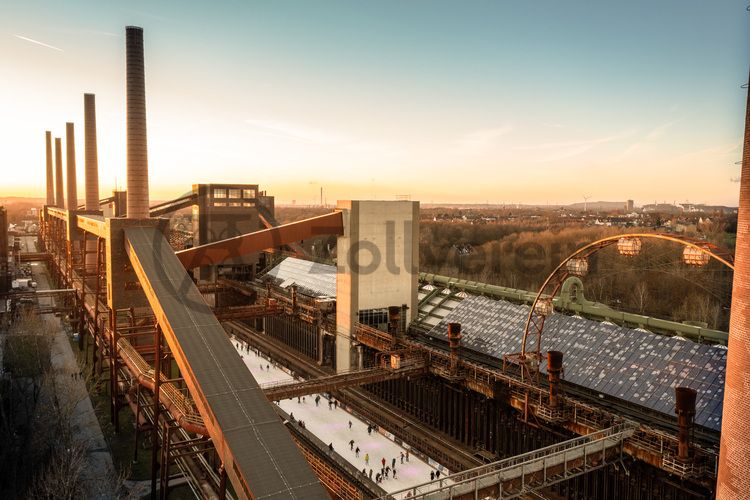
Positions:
{"x": 70, "y": 151}
{"x": 554, "y": 369}
{"x": 148, "y": 382}
{"x": 50, "y": 175}
{"x": 685, "y": 410}
{"x": 454, "y": 342}
{"x": 394, "y": 320}
{"x": 137, "y": 150}
{"x": 59, "y": 197}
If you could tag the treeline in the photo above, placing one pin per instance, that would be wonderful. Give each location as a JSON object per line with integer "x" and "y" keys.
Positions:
{"x": 656, "y": 282}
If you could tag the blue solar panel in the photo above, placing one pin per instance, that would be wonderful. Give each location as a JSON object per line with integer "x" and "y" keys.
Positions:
{"x": 630, "y": 364}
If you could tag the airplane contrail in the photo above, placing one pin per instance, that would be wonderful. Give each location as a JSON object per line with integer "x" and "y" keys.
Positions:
{"x": 39, "y": 43}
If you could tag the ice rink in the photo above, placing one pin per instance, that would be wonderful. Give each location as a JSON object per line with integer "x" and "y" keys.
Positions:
{"x": 332, "y": 426}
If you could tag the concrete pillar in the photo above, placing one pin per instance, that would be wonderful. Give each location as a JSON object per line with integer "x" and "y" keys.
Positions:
{"x": 137, "y": 150}
{"x": 70, "y": 151}
{"x": 50, "y": 174}
{"x": 59, "y": 196}
{"x": 734, "y": 455}
{"x": 378, "y": 265}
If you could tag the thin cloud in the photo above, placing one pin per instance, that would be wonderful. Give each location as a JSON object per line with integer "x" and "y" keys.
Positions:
{"x": 37, "y": 42}
{"x": 646, "y": 143}
{"x": 568, "y": 149}
{"x": 480, "y": 140}
{"x": 296, "y": 132}
{"x": 658, "y": 132}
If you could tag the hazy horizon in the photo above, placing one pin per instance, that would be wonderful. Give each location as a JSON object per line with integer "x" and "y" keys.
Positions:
{"x": 475, "y": 102}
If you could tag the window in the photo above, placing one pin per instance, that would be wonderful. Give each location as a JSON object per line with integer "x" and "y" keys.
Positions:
{"x": 235, "y": 193}
{"x": 248, "y": 193}
{"x": 220, "y": 193}
{"x": 220, "y": 204}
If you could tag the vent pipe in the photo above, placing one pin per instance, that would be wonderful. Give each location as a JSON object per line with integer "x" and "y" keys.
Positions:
{"x": 70, "y": 151}
{"x": 50, "y": 174}
{"x": 554, "y": 370}
{"x": 685, "y": 410}
{"x": 734, "y": 454}
{"x": 137, "y": 151}
{"x": 59, "y": 197}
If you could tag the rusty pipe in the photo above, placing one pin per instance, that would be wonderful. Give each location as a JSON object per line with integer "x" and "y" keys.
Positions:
{"x": 554, "y": 369}
{"x": 137, "y": 147}
{"x": 70, "y": 151}
{"x": 454, "y": 343}
{"x": 149, "y": 383}
{"x": 685, "y": 410}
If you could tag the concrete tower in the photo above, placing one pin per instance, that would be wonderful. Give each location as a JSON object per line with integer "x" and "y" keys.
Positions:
{"x": 734, "y": 457}
{"x": 378, "y": 267}
{"x": 137, "y": 151}
{"x": 70, "y": 151}
{"x": 59, "y": 196}
{"x": 50, "y": 174}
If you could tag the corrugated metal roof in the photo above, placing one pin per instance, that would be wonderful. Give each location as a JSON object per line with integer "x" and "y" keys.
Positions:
{"x": 312, "y": 278}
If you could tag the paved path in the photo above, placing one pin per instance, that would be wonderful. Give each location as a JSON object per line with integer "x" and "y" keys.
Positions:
{"x": 98, "y": 474}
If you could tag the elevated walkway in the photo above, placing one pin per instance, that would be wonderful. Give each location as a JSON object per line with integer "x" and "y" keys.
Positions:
{"x": 258, "y": 453}
{"x": 283, "y": 390}
{"x": 517, "y": 476}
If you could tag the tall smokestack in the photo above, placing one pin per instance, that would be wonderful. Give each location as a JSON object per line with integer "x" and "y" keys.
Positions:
{"x": 59, "y": 197}
{"x": 50, "y": 174}
{"x": 734, "y": 455}
{"x": 137, "y": 162}
{"x": 70, "y": 151}
{"x": 92, "y": 172}
{"x": 91, "y": 159}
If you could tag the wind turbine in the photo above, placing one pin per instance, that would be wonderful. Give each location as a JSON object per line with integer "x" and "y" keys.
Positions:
{"x": 586, "y": 203}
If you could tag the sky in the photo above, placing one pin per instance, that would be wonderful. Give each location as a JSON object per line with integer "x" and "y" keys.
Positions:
{"x": 464, "y": 101}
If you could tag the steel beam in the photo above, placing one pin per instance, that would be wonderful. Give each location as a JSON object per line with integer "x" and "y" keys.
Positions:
{"x": 220, "y": 251}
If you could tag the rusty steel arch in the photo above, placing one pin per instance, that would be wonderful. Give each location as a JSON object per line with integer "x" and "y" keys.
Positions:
{"x": 542, "y": 304}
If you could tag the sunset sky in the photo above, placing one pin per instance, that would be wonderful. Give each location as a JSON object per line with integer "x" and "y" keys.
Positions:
{"x": 463, "y": 101}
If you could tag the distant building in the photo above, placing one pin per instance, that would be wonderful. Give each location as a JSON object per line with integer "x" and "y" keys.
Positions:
{"x": 629, "y": 206}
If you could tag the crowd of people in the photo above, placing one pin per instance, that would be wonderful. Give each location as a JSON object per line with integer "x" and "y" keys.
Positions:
{"x": 387, "y": 471}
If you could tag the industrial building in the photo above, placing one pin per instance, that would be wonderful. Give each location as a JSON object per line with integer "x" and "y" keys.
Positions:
{"x": 485, "y": 383}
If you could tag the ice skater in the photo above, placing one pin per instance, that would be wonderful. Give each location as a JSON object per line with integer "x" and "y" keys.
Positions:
{"x": 350, "y": 424}
{"x": 402, "y": 457}
{"x": 351, "y": 445}
{"x": 356, "y": 452}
